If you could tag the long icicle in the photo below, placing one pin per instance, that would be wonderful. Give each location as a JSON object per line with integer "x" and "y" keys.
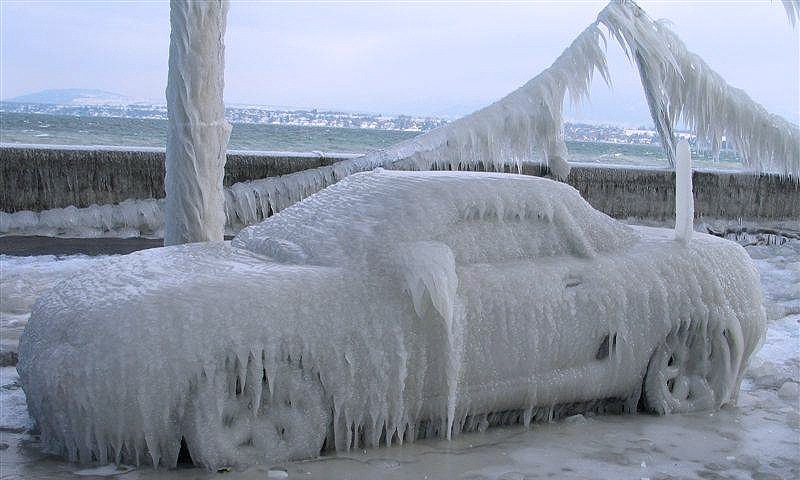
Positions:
{"x": 687, "y": 89}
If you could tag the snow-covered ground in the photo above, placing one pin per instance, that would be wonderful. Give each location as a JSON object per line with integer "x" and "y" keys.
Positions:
{"x": 759, "y": 438}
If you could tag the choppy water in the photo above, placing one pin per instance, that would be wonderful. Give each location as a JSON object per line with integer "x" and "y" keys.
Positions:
{"x": 46, "y": 129}
{"x": 68, "y": 130}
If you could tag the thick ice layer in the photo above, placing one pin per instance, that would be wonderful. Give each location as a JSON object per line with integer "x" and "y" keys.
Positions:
{"x": 388, "y": 307}
{"x": 131, "y": 218}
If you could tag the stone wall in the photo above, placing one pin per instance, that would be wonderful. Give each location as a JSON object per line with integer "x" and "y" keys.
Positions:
{"x": 36, "y": 178}
{"x": 44, "y": 178}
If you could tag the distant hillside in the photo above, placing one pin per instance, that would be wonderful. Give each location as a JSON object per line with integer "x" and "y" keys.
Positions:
{"x": 74, "y": 96}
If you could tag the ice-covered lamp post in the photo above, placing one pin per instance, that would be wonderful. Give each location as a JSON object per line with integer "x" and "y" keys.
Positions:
{"x": 197, "y": 136}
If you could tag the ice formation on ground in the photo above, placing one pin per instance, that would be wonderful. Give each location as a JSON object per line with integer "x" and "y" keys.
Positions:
{"x": 197, "y": 133}
{"x": 13, "y": 411}
{"x": 684, "y": 196}
{"x": 391, "y": 306}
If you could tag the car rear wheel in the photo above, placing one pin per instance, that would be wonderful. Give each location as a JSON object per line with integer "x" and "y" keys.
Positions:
{"x": 690, "y": 371}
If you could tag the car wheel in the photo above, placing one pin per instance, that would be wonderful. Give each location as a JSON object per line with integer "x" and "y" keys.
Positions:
{"x": 690, "y": 371}
{"x": 227, "y": 426}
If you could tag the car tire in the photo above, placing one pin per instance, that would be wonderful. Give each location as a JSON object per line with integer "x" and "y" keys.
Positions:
{"x": 690, "y": 371}
{"x": 226, "y": 428}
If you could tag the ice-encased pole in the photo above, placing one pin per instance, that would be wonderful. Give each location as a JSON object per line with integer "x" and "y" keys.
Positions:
{"x": 684, "y": 194}
{"x": 197, "y": 133}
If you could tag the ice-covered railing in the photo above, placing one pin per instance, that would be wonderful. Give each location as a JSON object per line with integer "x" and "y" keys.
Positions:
{"x": 725, "y": 202}
{"x": 715, "y": 110}
{"x": 131, "y": 218}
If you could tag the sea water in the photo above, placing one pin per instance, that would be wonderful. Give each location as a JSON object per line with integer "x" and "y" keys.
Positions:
{"x": 47, "y": 129}
{"x": 35, "y": 128}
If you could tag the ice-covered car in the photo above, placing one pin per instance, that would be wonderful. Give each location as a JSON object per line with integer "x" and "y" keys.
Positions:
{"x": 390, "y": 306}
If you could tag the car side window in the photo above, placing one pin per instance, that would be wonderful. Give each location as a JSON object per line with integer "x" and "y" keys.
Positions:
{"x": 489, "y": 236}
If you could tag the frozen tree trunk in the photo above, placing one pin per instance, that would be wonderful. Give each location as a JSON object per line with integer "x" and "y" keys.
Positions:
{"x": 684, "y": 195}
{"x": 197, "y": 135}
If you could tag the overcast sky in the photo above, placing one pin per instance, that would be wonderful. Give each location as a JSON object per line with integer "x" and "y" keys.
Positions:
{"x": 415, "y": 58}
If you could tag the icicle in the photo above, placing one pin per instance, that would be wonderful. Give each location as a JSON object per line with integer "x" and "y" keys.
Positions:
{"x": 680, "y": 85}
{"x": 241, "y": 362}
{"x": 792, "y": 8}
{"x": 258, "y": 381}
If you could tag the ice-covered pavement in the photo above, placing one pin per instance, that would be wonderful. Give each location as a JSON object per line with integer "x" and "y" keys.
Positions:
{"x": 760, "y": 438}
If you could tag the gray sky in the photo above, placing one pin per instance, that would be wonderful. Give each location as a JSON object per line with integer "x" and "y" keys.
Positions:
{"x": 417, "y": 58}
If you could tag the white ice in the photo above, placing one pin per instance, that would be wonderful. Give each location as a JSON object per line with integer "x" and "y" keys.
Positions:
{"x": 389, "y": 307}
{"x": 23, "y": 280}
{"x": 757, "y": 439}
{"x": 684, "y": 195}
{"x": 683, "y": 87}
{"x": 197, "y": 132}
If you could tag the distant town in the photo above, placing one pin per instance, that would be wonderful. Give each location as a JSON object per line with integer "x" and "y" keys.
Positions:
{"x": 331, "y": 119}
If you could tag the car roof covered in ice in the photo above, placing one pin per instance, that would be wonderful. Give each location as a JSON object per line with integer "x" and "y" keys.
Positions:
{"x": 482, "y": 217}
